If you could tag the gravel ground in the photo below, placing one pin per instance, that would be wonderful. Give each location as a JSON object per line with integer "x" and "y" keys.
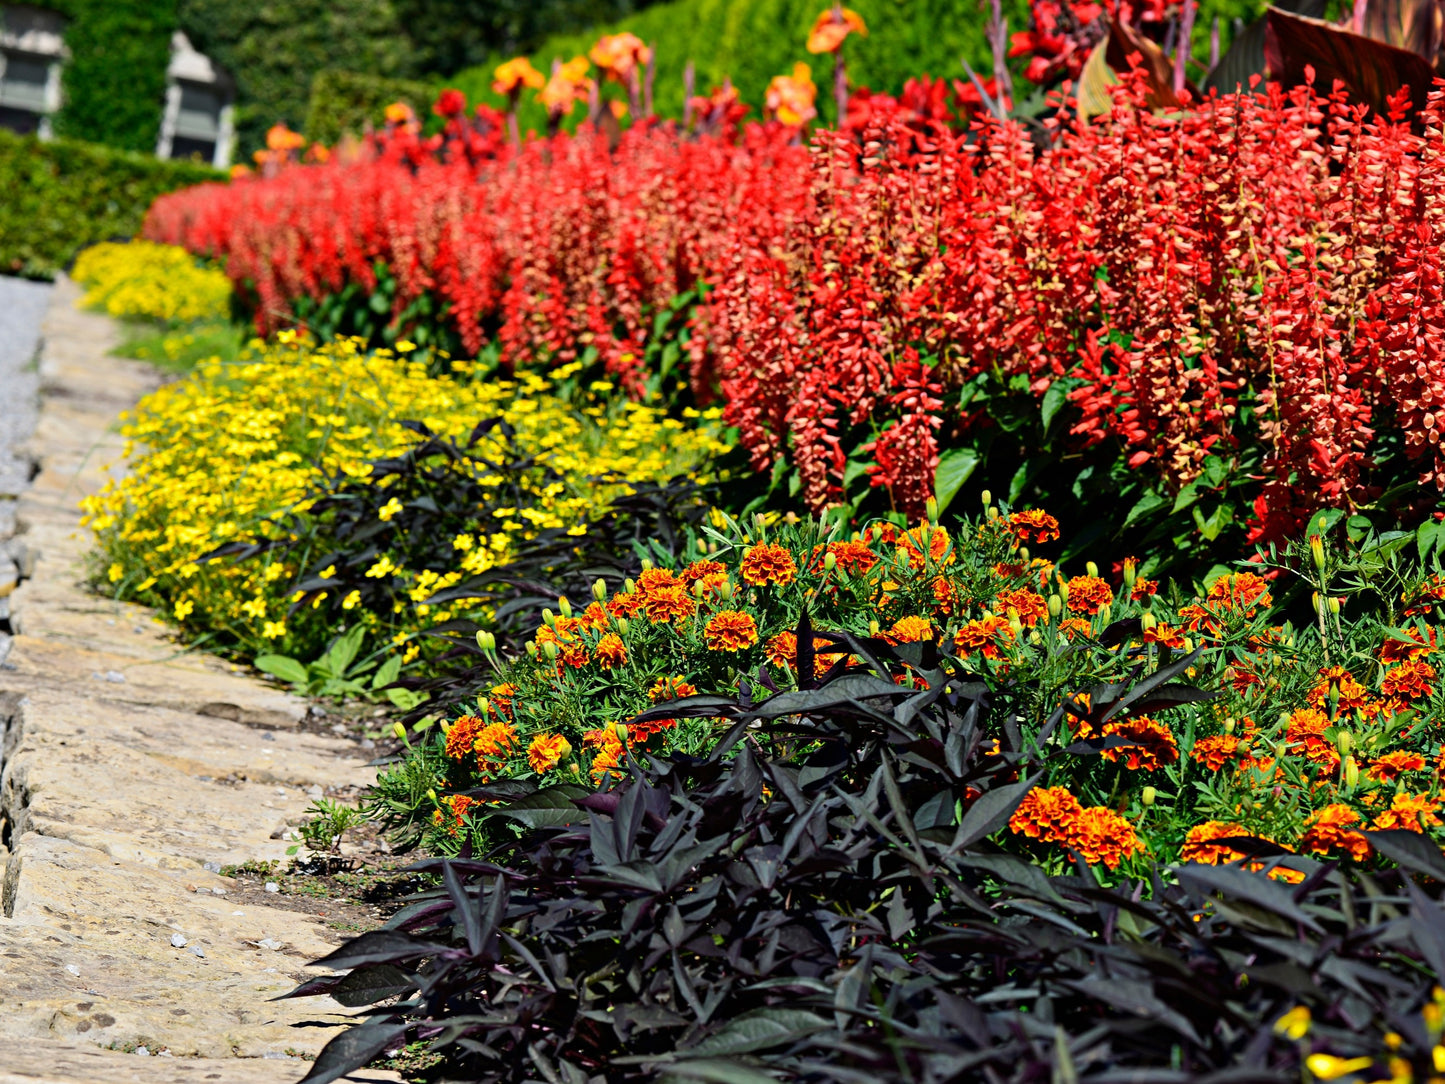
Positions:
{"x": 22, "y": 307}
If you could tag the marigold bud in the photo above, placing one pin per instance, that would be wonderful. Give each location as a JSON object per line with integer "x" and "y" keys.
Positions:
{"x": 986, "y": 497}
{"x": 1229, "y": 725}
{"x": 1147, "y": 621}
{"x": 1334, "y": 604}
{"x": 1188, "y": 644}
{"x": 549, "y": 618}
{"x": 1147, "y": 796}
{"x": 564, "y": 605}
{"x": 992, "y": 512}
{"x": 399, "y": 730}
{"x": 830, "y": 562}
{"x": 1063, "y": 590}
{"x": 1343, "y": 741}
{"x": 874, "y": 628}
{"x": 1015, "y": 623}
{"x": 1317, "y": 551}
{"x": 646, "y": 563}
{"x": 1131, "y": 572}
{"x": 550, "y": 650}
{"x": 1024, "y": 554}
{"x": 531, "y": 646}
{"x": 1092, "y": 569}
{"x": 629, "y": 585}
{"x": 930, "y": 509}
{"x": 622, "y": 625}
{"x": 432, "y": 794}
{"x": 599, "y": 590}
{"x": 726, "y": 590}
{"x": 1352, "y": 773}
{"x": 1056, "y": 605}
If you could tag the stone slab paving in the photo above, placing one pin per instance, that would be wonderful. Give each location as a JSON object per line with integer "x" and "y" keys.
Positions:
{"x": 130, "y": 771}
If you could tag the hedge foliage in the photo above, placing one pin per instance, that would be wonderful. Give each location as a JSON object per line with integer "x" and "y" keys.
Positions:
{"x": 64, "y": 194}
{"x": 348, "y": 101}
{"x": 115, "y": 80}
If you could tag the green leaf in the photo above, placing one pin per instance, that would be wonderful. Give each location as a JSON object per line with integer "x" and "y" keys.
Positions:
{"x": 991, "y": 812}
{"x": 1054, "y": 400}
{"x": 547, "y": 808}
{"x": 343, "y": 651}
{"x": 387, "y": 674}
{"x": 760, "y": 1030}
{"x": 954, "y": 468}
{"x": 405, "y": 699}
{"x": 717, "y": 1072}
{"x": 1427, "y": 538}
{"x": 283, "y": 667}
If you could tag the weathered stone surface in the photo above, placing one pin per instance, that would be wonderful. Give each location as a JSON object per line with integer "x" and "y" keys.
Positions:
{"x": 130, "y": 770}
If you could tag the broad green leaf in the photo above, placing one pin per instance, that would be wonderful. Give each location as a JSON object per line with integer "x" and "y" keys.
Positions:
{"x": 388, "y": 673}
{"x": 955, "y": 466}
{"x": 546, "y": 808}
{"x": 283, "y": 667}
{"x": 339, "y": 658}
{"x": 1094, "y": 100}
{"x": 760, "y": 1030}
{"x": 716, "y": 1072}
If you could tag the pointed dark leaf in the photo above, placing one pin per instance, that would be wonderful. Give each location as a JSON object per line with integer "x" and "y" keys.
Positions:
{"x": 353, "y": 1049}
{"x": 1370, "y": 70}
{"x": 991, "y": 812}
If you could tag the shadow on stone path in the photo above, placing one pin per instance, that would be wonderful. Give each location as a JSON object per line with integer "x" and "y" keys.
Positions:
{"x": 115, "y": 931}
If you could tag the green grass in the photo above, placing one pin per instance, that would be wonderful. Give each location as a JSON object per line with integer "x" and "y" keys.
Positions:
{"x": 180, "y": 349}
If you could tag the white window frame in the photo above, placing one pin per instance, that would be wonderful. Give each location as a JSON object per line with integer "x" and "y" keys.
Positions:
{"x": 39, "y": 33}
{"x": 189, "y": 66}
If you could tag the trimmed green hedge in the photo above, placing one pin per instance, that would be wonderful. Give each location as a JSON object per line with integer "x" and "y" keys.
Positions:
{"x": 61, "y": 195}
{"x": 348, "y": 101}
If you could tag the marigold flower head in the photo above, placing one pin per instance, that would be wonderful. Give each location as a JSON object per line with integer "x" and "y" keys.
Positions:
{"x": 909, "y": 630}
{"x": 610, "y": 651}
{"x": 1102, "y": 836}
{"x": 1305, "y": 735}
{"x": 854, "y": 558}
{"x": 671, "y": 688}
{"x": 1165, "y": 636}
{"x": 1243, "y": 592}
{"x": 1089, "y": 594}
{"x": 1199, "y": 846}
{"x": 985, "y": 636}
{"x": 1409, "y": 680}
{"x": 766, "y": 563}
{"x": 546, "y": 751}
{"x": 1216, "y": 751}
{"x": 1151, "y": 745}
{"x": 655, "y": 579}
{"x": 462, "y": 736}
{"x": 457, "y": 805}
{"x": 281, "y": 138}
{"x": 945, "y": 596}
{"x": 926, "y": 540}
{"x": 1033, "y": 526}
{"x": 730, "y": 630}
{"x": 626, "y": 603}
{"x": 668, "y": 604}
{"x": 832, "y": 27}
{"x": 1045, "y": 813}
{"x": 1352, "y": 696}
{"x": 1394, "y": 650}
{"x": 702, "y": 570}
{"x": 501, "y": 696}
{"x": 1331, "y": 830}
{"x": 1144, "y": 589}
{"x": 1388, "y": 767}
{"x": 1029, "y": 605}
{"x": 1409, "y": 811}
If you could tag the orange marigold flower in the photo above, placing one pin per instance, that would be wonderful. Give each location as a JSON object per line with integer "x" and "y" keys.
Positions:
{"x": 731, "y": 630}
{"x": 768, "y": 564}
{"x": 853, "y": 558}
{"x": 1393, "y": 650}
{"x": 458, "y": 804}
{"x": 671, "y": 688}
{"x": 462, "y": 737}
{"x": 1352, "y": 695}
{"x": 1216, "y": 751}
{"x": 986, "y": 635}
{"x": 1077, "y": 707}
{"x": 1151, "y": 744}
{"x": 1409, "y": 680}
{"x": 496, "y": 740}
{"x": 546, "y": 751}
{"x": 672, "y": 604}
{"x": 1199, "y": 846}
{"x": 1198, "y": 619}
{"x": 1033, "y": 526}
{"x": 909, "y": 630}
{"x": 945, "y": 596}
{"x": 501, "y": 697}
{"x": 608, "y": 757}
{"x": 1241, "y": 676}
{"x": 1165, "y": 636}
{"x": 1089, "y": 594}
{"x": 1029, "y": 605}
{"x": 1070, "y": 627}
{"x": 1144, "y": 589}
{"x": 1409, "y": 811}
{"x": 655, "y": 579}
{"x": 1244, "y": 592}
{"x": 782, "y": 650}
{"x": 1425, "y": 597}
{"x": 926, "y": 540}
{"x": 610, "y": 651}
{"x": 1305, "y": 734}
{"x": 1045, "y": 813}
{"x": 700, "y": 570}
{"x": 1101, "y": 835}
{"x": 1331, "y": 830}
{"x": 626, "y": 604}
{"x": 1388, "y": 768}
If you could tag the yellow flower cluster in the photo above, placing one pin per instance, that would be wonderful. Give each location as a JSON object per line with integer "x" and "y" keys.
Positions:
{"x": 161, "y": 282}
{"x": 223, "y": 455}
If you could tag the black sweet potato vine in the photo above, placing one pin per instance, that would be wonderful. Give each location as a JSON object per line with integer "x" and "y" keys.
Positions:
{"x": 818, "y": 900}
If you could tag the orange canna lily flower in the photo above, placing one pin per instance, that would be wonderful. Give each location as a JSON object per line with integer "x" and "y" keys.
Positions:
{"x": 568, "y": 84}
{"x": 831, "y": 27}
{"x": 619, "y": 55}
{"x": 790, "y": 97}
{"x": 399, "y": 113}
{"x": 281, "y": 138}
{"x": 511, "y": 77}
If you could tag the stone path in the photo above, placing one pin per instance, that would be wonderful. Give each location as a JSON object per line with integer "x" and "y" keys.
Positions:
{"x": 130, "y": 772}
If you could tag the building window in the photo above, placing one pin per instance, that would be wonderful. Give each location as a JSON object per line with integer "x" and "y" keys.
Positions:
{"x": 198, "y": 119}
{"x": 32, "y": 50}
